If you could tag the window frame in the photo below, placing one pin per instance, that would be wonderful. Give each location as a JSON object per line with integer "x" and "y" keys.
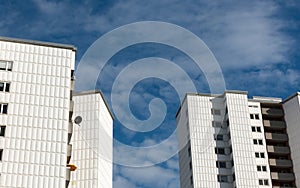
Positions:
{"x": 8, "y": 65}
{"x": 6, "y": 86}
{"x": 2, "y": 130}
{"x": 217, "y": 151}
{"x": 2, "y": 107}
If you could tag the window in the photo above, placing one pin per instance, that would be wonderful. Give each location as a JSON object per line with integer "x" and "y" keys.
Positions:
{"x": 259, "y": 155}
{"x": 257, "y": 141}
{"x": 222, "y": 178}
{"x": 221, "y": 164}
{"x": 1, "y": 152}
{"x": 219, "y": 137}
{"x": 191, "y": 166}
{"x": 4, "y": 86}
{"x": 215, "y": 112}
{"x": 220, "y": 151}
{"x": 254, "y": 141}
{"x": 256, "y": 129}
{"x": 5, "y": 65}
{"x": 252, "y": 106}
{"x": 254, "y": 116}
{"x": 263, "y": 182}
{"x": 2, "y": 130}
{"x": 189, "y": 151}
{"x": 3, "y": 108}
{"x": 266, "y": 182}
{"x": 262, "y": 168}
{"x": 216, "y": 124}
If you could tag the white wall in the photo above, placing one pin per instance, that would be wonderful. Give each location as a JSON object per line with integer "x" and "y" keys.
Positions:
{"x": 241, "y": 139}
{"x": 35, "y": 143}
{"x": 92, "y": 143}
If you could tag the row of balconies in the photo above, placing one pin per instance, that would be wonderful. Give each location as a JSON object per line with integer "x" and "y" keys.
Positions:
{"x": 274, "y": 125}
{"x": 278, "y": 150}
{"x": 272, "y": 112}
{"x": 274, "y": 134}
{"x": 278, "y": 176}
{"x": 276, "y": 137}
{"x": 70, "y": 167}
{"x": 280, "y": 163}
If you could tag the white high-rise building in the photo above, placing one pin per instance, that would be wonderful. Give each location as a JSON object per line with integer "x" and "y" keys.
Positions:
{"x": 92, "y": 142}
{"x": 36, "y": 83}
{"x": 230, "y": 141}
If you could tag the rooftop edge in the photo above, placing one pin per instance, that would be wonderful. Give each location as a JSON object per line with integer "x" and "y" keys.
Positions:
{"x": 90, "y": 92}
{"x": 35, "y": 42}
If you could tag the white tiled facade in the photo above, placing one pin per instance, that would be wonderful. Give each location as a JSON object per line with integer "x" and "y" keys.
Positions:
{"x": 35, "y": 141}
{"x": 223, "y": 143}
{"x": 92, "y": 142}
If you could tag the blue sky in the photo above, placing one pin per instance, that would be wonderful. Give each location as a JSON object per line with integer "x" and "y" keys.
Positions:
{"x": 256, "y": 44}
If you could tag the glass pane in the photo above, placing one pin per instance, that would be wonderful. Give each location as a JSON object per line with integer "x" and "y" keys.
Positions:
{"x": 2, "y": 65}
{"x": 7, "y": 87}
{"x": 4, "y": 108}
{"x": 9, "y": 66}
{"x": 1, "y": 86}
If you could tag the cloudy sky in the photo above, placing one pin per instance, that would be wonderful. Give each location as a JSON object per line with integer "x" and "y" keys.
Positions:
{"x": 256, "y": 44}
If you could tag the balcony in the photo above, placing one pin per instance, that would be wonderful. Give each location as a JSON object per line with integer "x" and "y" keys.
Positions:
{"x": 276, "y": 137}
{"x": 70, "y": 128}
{"x": 279, "y": 150}
{"x": 69, "y": 153}
{"x": 274, "y": 125}
{"x": 71, "y": 107}
{"x": 280, "y": 163}
{"x": 72, "y": 83}
{"x": 272, "y": 112}
{"x": 68, "y": 173}
{"x": 282, "y": 176}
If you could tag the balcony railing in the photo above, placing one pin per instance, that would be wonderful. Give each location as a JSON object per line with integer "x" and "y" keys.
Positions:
{"x": 280, "y": 150}
{"x": 276, "y": 137}
{"x": 282, "y": 176}
{"x": 70, "y": 128}
{"x": 274, "y": 125}
{"x": 69, "y": 153}
{"x": 272, "y": 112}
{"x": 283, "y": 163}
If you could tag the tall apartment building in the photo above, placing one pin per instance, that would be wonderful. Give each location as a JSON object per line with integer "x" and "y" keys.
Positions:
{"x": 92, "y": 142}
{"x": 36, "y": 85}
{"x": 229, "y": 140}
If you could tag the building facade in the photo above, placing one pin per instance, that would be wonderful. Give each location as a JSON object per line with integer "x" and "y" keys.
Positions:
{"x": 229, "y": 140}
{"x": 92, "y": 142}
{"x": 36, "y": 84}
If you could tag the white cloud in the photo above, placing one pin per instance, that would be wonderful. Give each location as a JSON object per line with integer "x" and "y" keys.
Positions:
{"x": 240, "y": 34}
{"x": 148, "y": 153}
{"x": 155, "y": 176}
{"x": 120, "y": 181}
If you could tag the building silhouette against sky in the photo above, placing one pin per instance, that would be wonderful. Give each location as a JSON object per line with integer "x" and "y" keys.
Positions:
{"x": 229, "y": 141}
{"x": 92, "y": 142}
{"x": 36, "y": 110}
